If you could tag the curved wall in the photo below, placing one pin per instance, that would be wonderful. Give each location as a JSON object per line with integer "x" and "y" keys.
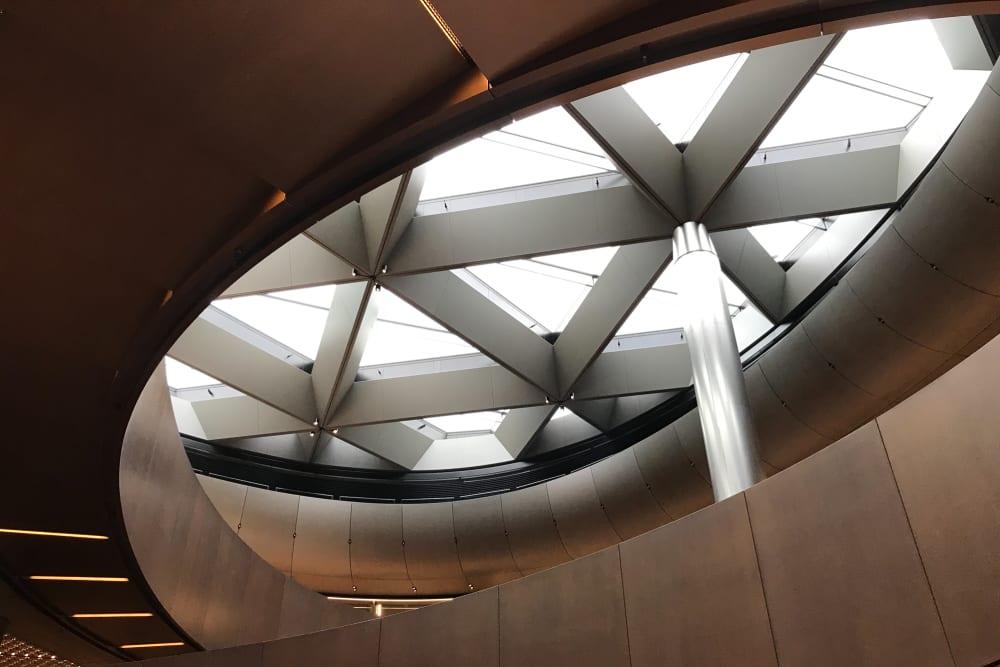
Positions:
{"x": 878, "y": 550}
{"x": 205, "y": 577}
{"x": 923, "y": 297}
{"x": 128, "y": 209}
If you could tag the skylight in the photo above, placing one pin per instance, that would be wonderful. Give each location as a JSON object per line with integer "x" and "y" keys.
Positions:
{"x": 906, "y": 55}
{"x": 829, "y": 108}
{"x": 660, "y": 309}
{"x": 294, "y": 318}
{"x": 469, "y": 422}
{"x": 402, "y": 333}
{"x": 679, "y": 100}
{"x": 546, "y": 289}
{"x": 548, "y": 146}
{"x": 182, "y": 376}
{"x": 780, "y": 239}
{"x": 876, "y": 79}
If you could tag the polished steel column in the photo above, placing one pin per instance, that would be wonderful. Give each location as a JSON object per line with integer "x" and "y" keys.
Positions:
{"x": 730, "y": 439}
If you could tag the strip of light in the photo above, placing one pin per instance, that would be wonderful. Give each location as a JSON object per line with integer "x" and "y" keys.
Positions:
{"x": 48, "y": 533}
{"x": 389, "y": 601}
{"x": 53, "y": 577}
{"x": 156, "y": 645}
{"x": 444, "y": 27}
{"x": 124, "y": 614}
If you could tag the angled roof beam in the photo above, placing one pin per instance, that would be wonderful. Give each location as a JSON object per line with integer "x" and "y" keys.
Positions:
{"x": 642, "y": 371}
{"x": 752, "y": 268}
{"x": 597, "y": 412}
{"x": 610, "y": 216}
{"x": 343, "y": 234}
{"x": 243, "y": 417}
{"x": 350, "y": 320}
{"x": 302, "y": 262}
{"x": 765, "y": 86}
{"x": 218, "y": 353}
{"x": 457, "y": 305}
{"x": 629, "y": 275}
{"x": 607, "y": 413}
{"x": 636, "y": 146}
{"x": 813, "y": 187}
{"x": 522, "y": 425}
{"x": 417, "y": 396}
{"x": 962, "y": 43}
{"x": 639, "y": 371}
{"x": 394, "y": 442}
{"x": 386, "y": 212}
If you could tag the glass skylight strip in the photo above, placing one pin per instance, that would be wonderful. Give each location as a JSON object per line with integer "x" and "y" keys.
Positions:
{"x": 469, "y": 422}
{"x": 827, "y": 108}
{"x": 285, "y": 329}
{"x": 389, "y": 343}
{"x": 863, "y": 82}
{"x": 508, "y": 306}
{"x": 781, "y": 239}
{"x": 904, "y": 55}
{"x": 679, "y": 100}
{"x": 546, "y": 290}
{"x": 551, "y": 150}
{"x": 182, "y": 376}
{"x": 545, "y": 147}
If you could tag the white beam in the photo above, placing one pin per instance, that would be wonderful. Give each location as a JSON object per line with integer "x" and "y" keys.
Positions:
{"x": 636, "y": 146}
{"x": 521, "y": 426}
{"x": 350, "y": 320}
{"x": 216, "y": 352}
{"x": 470, "y": 315}
{"x": 628, "y": 276}
{"x": 302, "y": 262}
{"x": 393, "y": 442}
{"x": 343, "y": 234}
{"x": 243, "y": 416}
{"x": 812, "y": 187}
{"x": 386, "y": 212}
{"x": 765, "y": 86}
{"x": 412, "y": 397}
{"x": 590, "y": 219}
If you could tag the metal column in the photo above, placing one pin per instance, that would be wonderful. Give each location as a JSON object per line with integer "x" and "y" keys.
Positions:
{"x": 730, "y": 439}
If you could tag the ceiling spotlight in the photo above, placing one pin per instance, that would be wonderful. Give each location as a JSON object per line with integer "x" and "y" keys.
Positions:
{"x": 572, "y": 395}
{"x": 336, "y": 431}
{"x": 316, "y": 421}
{"x": 312, "y": 434}
{"x": 354, "y": 272}
{"x": 385, "y": 268}
{"x": 378, "y": 288}
{"x": 546, "y": 400}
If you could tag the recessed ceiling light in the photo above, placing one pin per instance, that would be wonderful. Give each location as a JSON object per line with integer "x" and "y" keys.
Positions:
{"x": 128, "y": 614}
{"x": 445, "y": 28}
{"x": 54, "y": 577}
{"x": 155, "y": 645}
{"x": 49, "y": 533}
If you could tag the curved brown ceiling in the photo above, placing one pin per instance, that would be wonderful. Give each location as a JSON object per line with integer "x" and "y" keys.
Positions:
{"x": 140, "y": 151}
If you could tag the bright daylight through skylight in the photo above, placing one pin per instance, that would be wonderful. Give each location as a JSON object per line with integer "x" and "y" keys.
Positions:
{"x": 484, "y": 275}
